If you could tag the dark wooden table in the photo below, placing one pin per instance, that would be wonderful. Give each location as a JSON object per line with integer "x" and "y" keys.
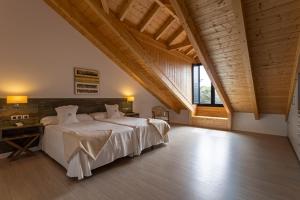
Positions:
{"x": 20, "y": 138}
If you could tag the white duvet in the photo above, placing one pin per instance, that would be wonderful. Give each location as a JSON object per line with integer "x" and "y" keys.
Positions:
{"x": 147, "y": 135}
{"x": 121, "y": 143}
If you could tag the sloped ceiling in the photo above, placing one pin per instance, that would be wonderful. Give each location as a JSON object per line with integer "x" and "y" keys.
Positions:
{"x": 123, "y": 41}
{"x": 254, "y": 47}
{"x": 250, "y": 48}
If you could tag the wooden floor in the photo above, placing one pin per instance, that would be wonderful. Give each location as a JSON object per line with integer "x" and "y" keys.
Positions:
{"x": 197, "y": 164}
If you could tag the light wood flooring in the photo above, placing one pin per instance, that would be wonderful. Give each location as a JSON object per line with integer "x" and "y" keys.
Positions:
{"x": 197, "y": 164}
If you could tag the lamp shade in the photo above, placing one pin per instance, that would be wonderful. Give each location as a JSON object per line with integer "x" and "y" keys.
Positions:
{"x": 130, "y": 99}
{"x": 16, "y": 99}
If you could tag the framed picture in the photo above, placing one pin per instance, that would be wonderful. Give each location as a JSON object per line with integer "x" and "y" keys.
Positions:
{"x": 87, "y": 81}
{"x": 86, "y": 88}
{"x": 86, "y": 73}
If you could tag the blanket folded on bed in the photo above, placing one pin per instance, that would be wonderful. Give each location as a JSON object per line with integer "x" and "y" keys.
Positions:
{"x": 90, "y": 143}
{"x": 161, "y": 126}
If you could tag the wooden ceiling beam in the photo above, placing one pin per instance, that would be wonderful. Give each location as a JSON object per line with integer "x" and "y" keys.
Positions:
{"x": 188, "y": 50}
{"x": 199, "y": 46}
{"x": 144, "y": 38}
{"x": 185, "y": 43}
{"x": 166, "y": 8}
{"x": 239, "y": 16}
{"x": 105, "y": 6}
{"x": 149, "y": 17}
{"x": 163, "y": 29}
{"x": 175, "y": 35}
{"x": 294, "y": 79}
{"x": 125, "y": 9}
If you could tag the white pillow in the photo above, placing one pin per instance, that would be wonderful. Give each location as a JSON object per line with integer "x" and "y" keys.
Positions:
{"x": 99, "y": 115}
{"x": 84, "y": 117}
{"x": 67, "y": 114}
{"x": 113, "y": 111}
{"x": 49, "y": 120}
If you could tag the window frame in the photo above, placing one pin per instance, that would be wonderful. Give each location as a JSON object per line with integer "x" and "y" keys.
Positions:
{"x": 213, "y": 91}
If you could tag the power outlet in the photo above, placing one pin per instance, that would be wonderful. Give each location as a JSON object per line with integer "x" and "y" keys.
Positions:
{"x": 13, "y": 117}
{"x": 25, "y": 116}
{"x": 16, "y": 117}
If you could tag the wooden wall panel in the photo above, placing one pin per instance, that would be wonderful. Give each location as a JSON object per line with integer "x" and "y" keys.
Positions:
{"x": 211, "y": 117}
{"x": 211, "y": 111}
{"x": 212, "y": 122}
{"x": 178, "y": 71}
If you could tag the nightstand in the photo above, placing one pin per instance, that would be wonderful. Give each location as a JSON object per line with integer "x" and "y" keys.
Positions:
{"x": 20, "y": 138}
{"x": 132, "y": 114}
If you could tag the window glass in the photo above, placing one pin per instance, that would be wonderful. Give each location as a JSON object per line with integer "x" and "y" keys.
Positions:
{"x": 196, "y": 97}
{"x": 205, "y": 87}
{"x": 203, "y": 91}
{"x": 217, "y": 98}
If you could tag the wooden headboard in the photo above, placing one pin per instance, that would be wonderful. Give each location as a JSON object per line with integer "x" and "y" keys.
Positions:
{"x": 41, "y": 107}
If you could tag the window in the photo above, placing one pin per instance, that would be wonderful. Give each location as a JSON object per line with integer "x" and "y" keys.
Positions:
{"x": 204, "y": 92}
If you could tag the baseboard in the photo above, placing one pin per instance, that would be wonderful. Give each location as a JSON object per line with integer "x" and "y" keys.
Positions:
{"x": 5, "y": 155}
{"x": 240, "y": 131}
{"x": 195, "y": 126}
{"x": 179, "y": 123}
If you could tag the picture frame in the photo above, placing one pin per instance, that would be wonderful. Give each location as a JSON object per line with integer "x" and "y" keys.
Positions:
{"x": 86, "y": 81}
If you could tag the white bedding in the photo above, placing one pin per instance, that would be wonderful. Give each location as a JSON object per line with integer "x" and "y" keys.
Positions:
{"x": 147, "y": 135}
{"x": 122, "y": 143}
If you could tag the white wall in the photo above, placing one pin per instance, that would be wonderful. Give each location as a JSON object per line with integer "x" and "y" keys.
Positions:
{"x": 268, "y": 123}
{"x": 39, "y": 49}
{"x": 180, "y": 118}
{"x": 293, "y": 130}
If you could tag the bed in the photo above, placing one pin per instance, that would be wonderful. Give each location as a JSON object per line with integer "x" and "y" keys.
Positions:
{"x": 147, "y": 133}
{"x": 121, "y": 143}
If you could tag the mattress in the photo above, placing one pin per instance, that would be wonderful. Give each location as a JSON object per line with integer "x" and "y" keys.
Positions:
{"x": 146, "y": 134}
{"x": 122, "y": 143}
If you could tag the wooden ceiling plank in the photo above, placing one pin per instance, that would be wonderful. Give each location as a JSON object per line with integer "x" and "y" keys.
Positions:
{"x": 105, "y": 6}
{"x": 175, "y": 35}
{"x": 148, "y": 17}
{"x": 238, "y": 10}
{"x": 163, "y": 29}
{"x": 125, "y": 9}
{"x": 199, "y": 46}
{"x": 294, "y": 79}
{"x": 185, "y": 43}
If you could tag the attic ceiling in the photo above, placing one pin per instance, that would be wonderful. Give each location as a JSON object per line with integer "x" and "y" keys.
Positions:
{"x": 249, "y": 48}
{"x": 254, "y": 47}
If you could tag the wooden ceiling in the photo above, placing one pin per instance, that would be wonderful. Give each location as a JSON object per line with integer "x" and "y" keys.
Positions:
{"x": 253, "y": 46}
{"x": 156, "y": 19}
{"x": 249, "y": 48}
